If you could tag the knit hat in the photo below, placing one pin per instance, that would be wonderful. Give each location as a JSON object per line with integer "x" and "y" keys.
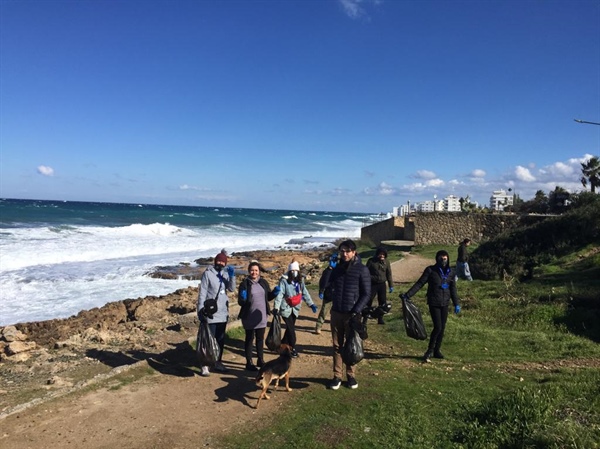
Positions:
{"x": 221, "y": 257}
{"x": 294, "y": 266}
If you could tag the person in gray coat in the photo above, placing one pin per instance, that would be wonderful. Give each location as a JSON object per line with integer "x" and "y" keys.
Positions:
{"x": 215, "y": 282}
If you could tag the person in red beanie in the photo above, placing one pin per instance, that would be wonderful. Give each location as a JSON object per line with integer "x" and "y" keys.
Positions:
{"x": 213, "y": 285}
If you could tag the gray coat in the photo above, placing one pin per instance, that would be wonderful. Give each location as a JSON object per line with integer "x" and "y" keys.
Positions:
{"x": 209, "y": 286}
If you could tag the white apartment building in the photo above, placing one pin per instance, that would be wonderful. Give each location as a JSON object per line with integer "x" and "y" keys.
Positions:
{"x": 452, "y": 204}
{"x": 500, "y": 199}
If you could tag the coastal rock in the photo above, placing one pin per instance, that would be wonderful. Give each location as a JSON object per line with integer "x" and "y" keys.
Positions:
{"x": 17, "y": 347}
{"x": 11, "y": 333}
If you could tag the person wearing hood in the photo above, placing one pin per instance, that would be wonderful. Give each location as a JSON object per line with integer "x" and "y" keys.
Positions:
{"x": 350, "y": 286}
{"x": 441, "y": 289}
{"x": 381, "y": 272}
{"x": 292, "y": 291}
{"x": 213, "y": 303}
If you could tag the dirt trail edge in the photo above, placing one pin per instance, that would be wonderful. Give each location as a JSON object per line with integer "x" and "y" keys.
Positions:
{"x": 175, "y": 407}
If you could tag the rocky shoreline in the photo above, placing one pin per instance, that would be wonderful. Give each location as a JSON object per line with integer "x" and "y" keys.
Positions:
{"x": 37, "y": 359}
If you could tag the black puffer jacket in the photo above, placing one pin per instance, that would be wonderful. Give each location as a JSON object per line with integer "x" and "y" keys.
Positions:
{"x": 434, "y": 277}
{"x": 350, "y": 286}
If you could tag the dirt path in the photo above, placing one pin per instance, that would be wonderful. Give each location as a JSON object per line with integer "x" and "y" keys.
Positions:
{"x": 176, "y": 408}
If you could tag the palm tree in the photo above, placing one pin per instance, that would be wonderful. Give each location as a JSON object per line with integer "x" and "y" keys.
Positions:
{"x": 590, "y": 171}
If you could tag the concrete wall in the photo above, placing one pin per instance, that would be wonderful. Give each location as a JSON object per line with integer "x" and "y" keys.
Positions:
{"x": 390, "y": 229}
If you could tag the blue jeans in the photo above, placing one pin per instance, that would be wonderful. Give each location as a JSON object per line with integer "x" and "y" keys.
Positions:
{"x": 463, "y": 271}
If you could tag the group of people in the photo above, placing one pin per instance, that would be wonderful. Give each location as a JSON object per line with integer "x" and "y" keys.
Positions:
{"x": 346, "y": 288}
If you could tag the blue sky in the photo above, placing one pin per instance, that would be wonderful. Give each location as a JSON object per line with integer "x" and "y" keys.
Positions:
{"x": 341, "y": 105}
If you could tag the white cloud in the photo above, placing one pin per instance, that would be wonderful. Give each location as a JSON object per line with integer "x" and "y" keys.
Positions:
{"x": 356, "y": 8}
{"x": 478, "y": 173}
{"x": 523, "y": 174}
{"x": 435, "y": 182}
{"x": 425, "y": 174}
{"x": 45, "y": 170}
{"x": 382, "y": 189}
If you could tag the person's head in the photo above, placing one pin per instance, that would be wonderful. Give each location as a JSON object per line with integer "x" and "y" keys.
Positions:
{"x": 442, "y": 258}
{"x": 347, "y": 250}
{"x": 254, "y": 270}
{"x": 467, "y": 242}
{"x": 220, "y": 260}
{"x": 381, "y": 253}
{"x": 293, "y": 269}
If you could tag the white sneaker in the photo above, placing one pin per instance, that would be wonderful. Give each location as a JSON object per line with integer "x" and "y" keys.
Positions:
{"x": 205, "y": 371}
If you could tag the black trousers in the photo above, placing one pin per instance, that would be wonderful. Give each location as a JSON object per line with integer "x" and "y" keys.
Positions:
{"x": 251, "y": 334}
{"x": 379, "y": 290}
{"x": 289, "y": 338}
{"x": 439, "y": 316}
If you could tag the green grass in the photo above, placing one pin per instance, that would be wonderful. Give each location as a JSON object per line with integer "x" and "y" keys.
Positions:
{"x": 521, "y": 371}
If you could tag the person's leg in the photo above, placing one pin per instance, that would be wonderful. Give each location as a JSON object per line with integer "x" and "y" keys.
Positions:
{"x": 325, "y": 309}
{"x": 248, "y": 346}
{"x": 289, "y": 337}
{"x": 260, "y": 345}
{"x": 467, "y": 272}
{"x": 218, "y": 330}
{"x": 337, "y": 339}
{"x": 381, "y": 291}
{"x": 443, "y": 311}
{"x": 436, "y": 317}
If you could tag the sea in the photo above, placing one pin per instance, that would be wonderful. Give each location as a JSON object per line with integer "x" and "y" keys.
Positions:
{"x": 60, "y": 257}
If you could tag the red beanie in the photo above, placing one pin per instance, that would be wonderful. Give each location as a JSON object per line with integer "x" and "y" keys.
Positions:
{"x": 221, "y": 257}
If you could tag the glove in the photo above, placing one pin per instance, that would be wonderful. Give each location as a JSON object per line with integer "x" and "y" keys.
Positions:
{"x": 244, "y": 295}
{"x": 391, "y": 289}
{"x": 230, "y": 271}
{"x": 320, "y": 295}
{"x": 333, "y": 260}
{"x": 276, "y": 290}
{"x": 275, "y": 312}
{"x": 403, "y": 296}
{"x": 457, "y": 309}
{"x": 202, "y": 315}
{"x": 313, "y": 308}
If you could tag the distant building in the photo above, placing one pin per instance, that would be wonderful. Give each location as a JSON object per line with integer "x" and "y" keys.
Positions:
{"x": 452, "y": 204}
{"x": 500, "y": 199}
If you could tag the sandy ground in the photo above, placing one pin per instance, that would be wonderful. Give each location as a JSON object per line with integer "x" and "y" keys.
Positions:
{"x": 173, "y": 409}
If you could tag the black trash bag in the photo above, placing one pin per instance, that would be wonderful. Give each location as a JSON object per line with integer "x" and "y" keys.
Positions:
{"x": 207, "y": 347}
{"x": 415, "y": 328}
{"x": 273, "y": 340}
{"x": 352, "y": 352}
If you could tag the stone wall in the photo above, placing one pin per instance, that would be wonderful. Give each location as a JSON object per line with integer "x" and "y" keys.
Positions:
{"x": 450, "y": 228}
{"x": 445, "y": 228}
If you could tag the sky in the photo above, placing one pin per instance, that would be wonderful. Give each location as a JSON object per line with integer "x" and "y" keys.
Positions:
{"x": 324, "y": 105}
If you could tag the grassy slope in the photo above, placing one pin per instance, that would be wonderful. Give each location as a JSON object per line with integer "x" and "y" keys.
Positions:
{"x": 522, "y": 370}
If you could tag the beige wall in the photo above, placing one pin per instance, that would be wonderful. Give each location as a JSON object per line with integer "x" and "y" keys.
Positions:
{"x": 446, "y": 228}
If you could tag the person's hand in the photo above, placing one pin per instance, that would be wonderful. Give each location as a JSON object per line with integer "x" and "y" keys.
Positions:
{"x": 230, "y": 271}
{"x": 403, "y": 296}
{"x": 457, "y": 309}
{"x": 391, "y": 289}
{"x": 276, "y": 290}
{"x": 313, "y": 308}
{"x": 244, "y": 294}
{"x": 321, "y": 295}
{"x": 333, "y": 260}
{"x": 275, "y": 312}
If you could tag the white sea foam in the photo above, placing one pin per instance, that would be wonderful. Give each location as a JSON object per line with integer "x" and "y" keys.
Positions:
{"x": 54, "y": 272}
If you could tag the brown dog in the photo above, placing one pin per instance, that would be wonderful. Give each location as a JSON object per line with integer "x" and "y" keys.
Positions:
{"x": 275, "y": 370}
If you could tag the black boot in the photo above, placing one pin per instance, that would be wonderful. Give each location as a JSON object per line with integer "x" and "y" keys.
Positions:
{"x": 437, "y": 354}
{"x": 427, "y": 355}
{"x": 380, "y": 321}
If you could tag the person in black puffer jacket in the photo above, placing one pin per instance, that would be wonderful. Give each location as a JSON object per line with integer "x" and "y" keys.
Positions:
{"x": 441, "y": 288}
{"x": 350, "y": 284}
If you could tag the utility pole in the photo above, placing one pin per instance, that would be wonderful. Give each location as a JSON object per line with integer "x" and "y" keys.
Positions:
{"x": 584, "y": 121}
